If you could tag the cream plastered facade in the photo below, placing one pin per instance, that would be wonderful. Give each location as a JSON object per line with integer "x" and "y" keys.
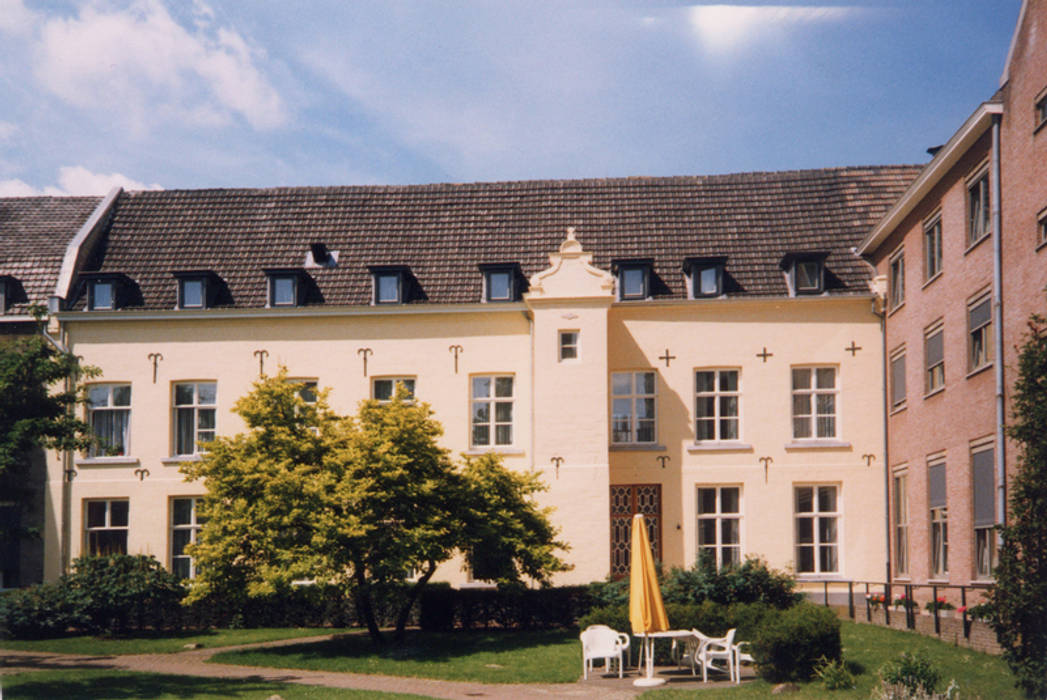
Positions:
{"x": 561, "y": 407}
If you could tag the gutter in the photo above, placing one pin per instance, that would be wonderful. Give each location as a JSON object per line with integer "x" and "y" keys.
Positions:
{"x": 997, "y": 312}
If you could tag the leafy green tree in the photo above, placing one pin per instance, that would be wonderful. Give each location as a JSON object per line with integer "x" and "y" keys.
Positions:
{"x": 359, "y": 502}
{"x": 1019, "y": 599}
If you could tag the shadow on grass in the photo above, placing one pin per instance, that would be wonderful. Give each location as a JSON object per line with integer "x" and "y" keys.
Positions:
{"x": 130, "y": 685}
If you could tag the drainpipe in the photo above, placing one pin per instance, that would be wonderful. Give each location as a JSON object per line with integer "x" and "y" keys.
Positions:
{"x": 530, "y": 331}
{"x": 65, "y": 508}
{"x": 997, "y": 325}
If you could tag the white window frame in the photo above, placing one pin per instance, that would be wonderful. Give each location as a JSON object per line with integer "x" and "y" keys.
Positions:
{"x": 818, "y": 544}
{"x": 933, "y": 375}
{"x": 900, "y": 521}
{"x": 193, "y": 527}
{"x": 111, "y": 409}
{"x": 719, "y": 397}
{"x": 410, "y": 382}
{"x": 939, "y": 542}
{"x": 107, "y": 525}
{"x": 1041, "y": 229}
{"x": 898, "y": 355}
{"x": 979, "y": 207}
{"x": 815, "y": 392}
{"x": 633, "y": 397}
{"x": 719, "y": 548}
{"x": 932, "y": 248}
{"x": 896, "y": 279}
{"x": 493, "y": 402}
{"x": 983, "y": 332}
{"x": 569, "y": 349}
{"x": 197, "y": 408}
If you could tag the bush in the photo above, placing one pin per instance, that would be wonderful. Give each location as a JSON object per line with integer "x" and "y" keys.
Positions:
{"x": 914, "y": 672}
{"x": 506, "y": 607}
{"x": 120, "y": 593}
{"x": 38, "y": 612}
{"x": 436, "y": 607}
{"x": 790, "y": 643}
{"x": 750, "y": 582}
{"x": 834, "y": 674}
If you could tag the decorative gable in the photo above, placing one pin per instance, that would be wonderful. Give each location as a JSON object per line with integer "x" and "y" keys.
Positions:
{"x": 571, "y": 275}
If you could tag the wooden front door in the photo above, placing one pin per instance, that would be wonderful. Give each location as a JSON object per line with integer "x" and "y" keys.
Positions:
{"x": 626, "y": 501}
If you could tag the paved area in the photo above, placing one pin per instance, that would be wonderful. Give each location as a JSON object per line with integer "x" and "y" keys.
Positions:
{"x": 194, "y": 663}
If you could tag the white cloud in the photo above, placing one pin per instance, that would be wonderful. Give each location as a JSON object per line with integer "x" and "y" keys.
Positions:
{"x": 142, "y": 68}
{"x": 722, "y": 28}
{"x": 7, "y": 130}
{"x": 74, "y": 180}
{"x": 15, "y": 17}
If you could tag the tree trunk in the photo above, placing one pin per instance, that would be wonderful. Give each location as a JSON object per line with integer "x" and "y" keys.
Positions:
{"x": 412, "y": 596}
{"x": 365, "y": 606}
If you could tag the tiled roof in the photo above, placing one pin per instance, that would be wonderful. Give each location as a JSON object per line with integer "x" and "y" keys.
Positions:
{"x": 444, "y": 231}
{"x": 34, "y": 233}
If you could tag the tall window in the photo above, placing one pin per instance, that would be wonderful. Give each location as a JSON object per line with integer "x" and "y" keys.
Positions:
{"x": 817, "y": 532}
{"x": 388, "y": 287}
{"x": 1041, "y": 228}
{"x": 936, "y": 498}
{"x": 192, "y": 293}
{"x": 632, "y": 407}
{"x": 194, "y": 409}
{"x": 105, "y": 527}
{"x": 633, "y": 282}
{"x": 901, "y": 524}
{"x": 719, "y": 525}
{"x": 934, "y": 358}
{"x": 500, "y": 284}
{"x": 185, "y": 528}
{"x": 814, "y": 402}
{"x": 979, "y": 333}
{"x": 979, "y": 224}
{"x": 492, "y": 404}
{"x": 283, "y": 290}
{"x": 384, "y": 388}
{"x": 898, "y": 378}
{"x": 716, "y": 404}
{"x": 109, "y": 406}
{"x": 932, "y": 248}
{"x": 984, "y": 511}
{"x": 101, "y": 295}
{"x": 896, "y": 274}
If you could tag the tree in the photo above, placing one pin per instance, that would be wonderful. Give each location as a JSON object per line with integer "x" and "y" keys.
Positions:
{"x": 1019, "y": 599}
{"x": 357, "y": 502}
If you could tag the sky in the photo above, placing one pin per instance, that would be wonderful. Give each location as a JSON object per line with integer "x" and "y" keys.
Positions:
{"x": 191, "y": 93}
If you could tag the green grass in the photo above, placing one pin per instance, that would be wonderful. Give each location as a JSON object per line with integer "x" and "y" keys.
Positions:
{"x": 487, "y": 657}
{"x": 866, "y": 648}
{"x": 159, "y": 643}
{"x": 113, "y": 685}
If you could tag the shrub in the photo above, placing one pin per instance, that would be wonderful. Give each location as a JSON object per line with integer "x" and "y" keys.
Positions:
{"x": 912, "y": 672}
{"x": 750, "y": 582}
{"x": 790, "y": 643}
{"x": 614, "y": 616}
{"x": 120, "y": 593}
{"x": 834, "y": 674}
{"x": 38, "y": 612}
{"x": 436, "y": 608}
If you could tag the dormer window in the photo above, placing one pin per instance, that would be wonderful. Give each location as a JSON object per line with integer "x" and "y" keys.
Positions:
{"x": 706, "y": 276}
{"x": 391, "y": 284}
{"x": 101, "y": 295}
{"x": 108, "y": 291}
{"x": 191, "y": 293}
{"x": 500, "y": 282}
{"x": 806, "y": 272}
{"x": 634, "y": 279}
{"x": 286, "y": 287}
{"x": 3, "y": 296}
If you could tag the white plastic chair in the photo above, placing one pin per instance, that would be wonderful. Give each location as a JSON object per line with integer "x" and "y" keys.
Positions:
{"x": 602, "y": 642}
{"x": 741, "y": 655}
{"x": 712, "y": 649}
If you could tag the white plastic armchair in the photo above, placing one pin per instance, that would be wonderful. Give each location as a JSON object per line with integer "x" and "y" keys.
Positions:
{"x": 741, "y": 655}
{"x": 713, "y": 649}
{"x": 602, "y": 642}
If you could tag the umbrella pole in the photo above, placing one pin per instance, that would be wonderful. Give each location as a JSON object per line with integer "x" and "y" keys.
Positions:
{"x": 649, "y": 679}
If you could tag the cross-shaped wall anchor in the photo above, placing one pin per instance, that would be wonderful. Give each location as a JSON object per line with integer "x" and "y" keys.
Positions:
{"x": 868, "y": 459}
{"x": 261, "y": 355}
{"x": 663, "y": 459}
{"x": 365, "y": 352}
{"x": 141, "y": 473}
{"x": 667, "y": 357}
{"x": 766, "y": 461}
{"x": 456, "y": 349}
{"x": 155, "y": 357}
{"x": 853, "y": 349}
{"x": 557, "y": 461}
{"x": 70, "y": 474}
{"x": 764, "y": 355}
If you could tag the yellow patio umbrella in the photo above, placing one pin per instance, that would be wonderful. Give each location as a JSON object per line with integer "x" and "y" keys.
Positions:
{"x": 646, "y": 609}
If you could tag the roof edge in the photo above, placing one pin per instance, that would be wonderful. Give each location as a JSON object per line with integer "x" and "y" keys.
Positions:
{"x": 932, "y": 173}
{"x": 78, "y": 248}
{"x": 1014, "y": 40}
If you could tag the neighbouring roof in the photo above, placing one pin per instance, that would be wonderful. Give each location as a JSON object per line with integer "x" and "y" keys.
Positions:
{"x": 34, "y": 233}
{"x": 442, "y": 232}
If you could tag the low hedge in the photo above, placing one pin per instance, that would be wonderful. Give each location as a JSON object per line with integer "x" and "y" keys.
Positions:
{"x": 443, "y": 608}
{"x": 789, "y": 644}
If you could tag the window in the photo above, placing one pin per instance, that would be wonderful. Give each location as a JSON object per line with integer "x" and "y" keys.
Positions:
{"x": 101, "y": 295}
{"x": 936, "y": 500}
{"x": 388, "y": 287}
{"x": 817, "y": 532}
{"x": 979, "y": 224}
{"x": 185, "y": 528}
{"x": 109, "y": 407}
{"x": 934, "y": 358}
{"x": 194, "y": 410}
{"x": 1040, "y": 110}
{"x": 814, "y": 402}
{"x": 706, "y": 277}
{"x": 568, "y": 345}
{"x": 105, "y": 527}
{"x": 984, "y": 482}
{"x": 979, "y": 333}
{"x": 3, "y": 296}
{"x": 499, "y": 283}
{"x": 384, "y": 388}
{"x": 896, "y": 275}
{"x": 632, "y": 407}
{"x": 716, "y": 404}
{"x": 932, "y": 248}
{"x": 634, "y": 281}
{"x": 719, "y": 525}
{"x": 901, "y": 524}
{"x": 307, "y": 390}
{"x": 898, "y": 378}
{"x": 283, "y": 290}
{"x": 492, "y": 404}
{"x": 192, "y": 293}
{"x": 1041, "y": 224}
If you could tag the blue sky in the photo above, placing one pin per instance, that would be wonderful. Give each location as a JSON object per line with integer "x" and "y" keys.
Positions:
{"x": 180, "y": 94}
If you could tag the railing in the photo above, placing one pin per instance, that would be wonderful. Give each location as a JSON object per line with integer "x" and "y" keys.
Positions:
{"x": 910, "y": 606}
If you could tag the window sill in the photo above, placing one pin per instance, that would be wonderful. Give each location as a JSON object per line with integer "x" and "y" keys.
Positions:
{"x": 178, "y": 459}
{"x": 938, "y": 581}
{"x": 1041, "y": 245}
{"x": 638, "y": 447}
{"x": 975, "y": 244}
{"x": 121, "y": 461}
{"x": 932, "y": 280}
{"x": 934, "y": 392}
{"x": 818, "y": 445}
{"x": 1039, "y": 127}
{"x": 720, "y": 446}
{"x": 896, "y": 307}
{"x": 808, "y": 578}
{"x": 978, "y": 370}
{"x": 508, "y": 451}
{"x": 899, "y": 408}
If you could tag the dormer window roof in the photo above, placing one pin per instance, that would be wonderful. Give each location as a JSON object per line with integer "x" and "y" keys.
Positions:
{"x": 705, "y": 276}
{"x": 196, "y": 288}
{"x": 806, "y": 271}
{"x": 391, "y": 284}
{"x": 634, "y": 278}
{"x": 286, "y": 287}
{"x": 501, "y": 282}
{"x": 320, "y": 256}
{"x": 106, "y": 291}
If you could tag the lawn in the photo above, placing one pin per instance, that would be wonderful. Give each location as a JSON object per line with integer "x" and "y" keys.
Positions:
{"x": 97, "y": 683}
{"x": 161, "y": 642}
